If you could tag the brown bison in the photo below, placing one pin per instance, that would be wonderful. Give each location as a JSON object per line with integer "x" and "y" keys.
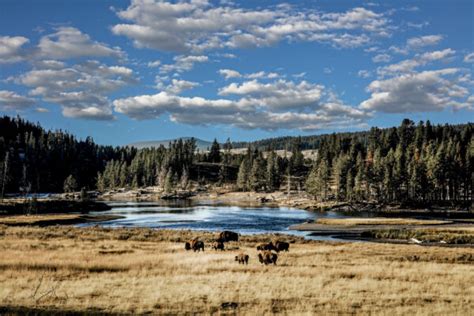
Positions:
{"x": 187, "y": 245}
{"x": 267, "y": 246}
{"x": 281, "y": 246}
{"x": 194, "y": 244}
{"x": 218, "y": 245}
{"x": 197, "y": 246}
{"x": 242, "y": 258}
{"x": 267, "y": 257}
{"x": 227, "y": 235}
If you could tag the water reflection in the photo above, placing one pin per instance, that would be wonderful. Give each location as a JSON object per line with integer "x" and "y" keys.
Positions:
{"x": 245, "y": 220}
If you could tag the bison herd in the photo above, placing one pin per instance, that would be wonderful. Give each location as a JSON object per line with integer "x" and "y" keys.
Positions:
{"x": 268, "y": 252}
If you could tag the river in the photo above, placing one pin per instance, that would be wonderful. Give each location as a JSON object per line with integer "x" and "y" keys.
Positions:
{"x": 212, "y": 217}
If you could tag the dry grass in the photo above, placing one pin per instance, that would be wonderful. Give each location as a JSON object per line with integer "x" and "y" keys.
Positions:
{"x": 148, "y": 271}
{"x": 379, "y": 221}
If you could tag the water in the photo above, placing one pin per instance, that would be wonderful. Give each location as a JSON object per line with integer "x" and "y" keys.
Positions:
{"x": 244, "y": 220}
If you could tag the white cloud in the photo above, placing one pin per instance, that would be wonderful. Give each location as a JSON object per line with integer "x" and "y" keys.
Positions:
{"x": 364, "y": 73}
{"x": 277, "y": 105}
{"x": 469, "y": 58}
{"x": 418, "y": 92}
{"x": 229, "y": 73}
{"x": 178, "y": 86}
{"x": 81, "y": 89}
{"x": 416, "y": 43}
{"x": 70, "y": 42}
{"x": 409, "y": 65}
{"x": 196, "y": 26}
{"x": 11, "y": 101}
{"x": 299, "y": 75}
{"x": 381, "y": 58}
{"x": 278, "y": 95}
{"x": 183, "y": 63}
{"x": 11, "y": 48}
{"x": 423, "y": 41}
{"x": 153, "y": 64}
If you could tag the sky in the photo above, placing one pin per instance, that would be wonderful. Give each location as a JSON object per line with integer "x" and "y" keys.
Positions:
{"x": 136, "y": 70}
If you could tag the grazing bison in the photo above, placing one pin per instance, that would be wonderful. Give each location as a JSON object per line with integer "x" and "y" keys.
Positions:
{"x": 187, "y": 245}
{"x": 218, "y": 245}
{"x": 267, "y": 257}
{"x": 242, "y": 258}
{"x": 267, "y": 246}
{"x": 198, "y": 246}
{"x": 281, "y": 246}
{"x": 227, "y": 235}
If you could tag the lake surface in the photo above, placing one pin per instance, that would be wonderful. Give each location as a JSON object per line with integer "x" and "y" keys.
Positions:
{"x": 244, "y": 220}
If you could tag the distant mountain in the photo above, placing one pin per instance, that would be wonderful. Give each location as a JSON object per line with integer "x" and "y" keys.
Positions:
{"x": 200, "y": 144}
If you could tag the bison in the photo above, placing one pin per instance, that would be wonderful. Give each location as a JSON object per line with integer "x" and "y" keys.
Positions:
{"x": 242, "y": 258}
{"x": 187, "y": 245}
{"x": 267, "y": 246}
{"x": 281, "y": 246}
{"x": 198, "y": 246}
{"x": 227, "y": 235}
{"x": 267, "y": 257}
{"x": 218, "y": 245}
{"x": 194, "y": 244}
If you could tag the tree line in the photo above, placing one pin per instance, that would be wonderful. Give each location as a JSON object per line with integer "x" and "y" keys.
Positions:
{"x": 419, "y": 162}
{"x": 409, "y": 163}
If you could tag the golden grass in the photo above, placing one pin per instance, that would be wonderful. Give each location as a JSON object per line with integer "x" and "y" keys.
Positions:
{"x": 148, "y": 271}
{"x": 379, "y": 221}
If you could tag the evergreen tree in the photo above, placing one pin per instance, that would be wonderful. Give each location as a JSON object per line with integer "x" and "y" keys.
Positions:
{"x": 215, "y": 152}
{"x": 70, "y": 184}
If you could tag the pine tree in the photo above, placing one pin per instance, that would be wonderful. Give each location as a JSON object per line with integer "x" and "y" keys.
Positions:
{"x": 243, "y": 175}
{"x": 257, "y": 179}
{"x": 70, "y": 184}
{"x": 215, "y": 152}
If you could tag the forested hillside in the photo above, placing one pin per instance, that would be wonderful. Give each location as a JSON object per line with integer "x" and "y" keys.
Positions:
{"x": 412, "y": 162}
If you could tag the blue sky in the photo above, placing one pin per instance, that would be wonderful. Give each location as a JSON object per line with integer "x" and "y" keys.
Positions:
{"x": 125, "y": 71}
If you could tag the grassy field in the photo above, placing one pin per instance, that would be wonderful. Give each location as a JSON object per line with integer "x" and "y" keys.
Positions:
{"x": 148, "y": 271}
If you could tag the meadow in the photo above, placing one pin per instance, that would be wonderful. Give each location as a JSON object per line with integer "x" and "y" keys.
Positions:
{"x": 96, "y": 270}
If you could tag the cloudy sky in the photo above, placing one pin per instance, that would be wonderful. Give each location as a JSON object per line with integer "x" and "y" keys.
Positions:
{"x": 124, "y": 71}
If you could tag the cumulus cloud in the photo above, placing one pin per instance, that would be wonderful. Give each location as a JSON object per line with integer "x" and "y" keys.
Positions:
{"x": 416, "y": 43}
{"x": 381, "y": 58}
{"x": 364, "y": 73}
{"x": 408, "y": 65}
{"x": 11, "y": 101}
{"x": 11, "y": 48}
{"x": 422, "y": 41}
{"x": 418, "y": 92}
{"x": 469, "y": 58}
{"x": 183, "y": 63}
{"x": 196, "y": 26}
{"x": 229, "y": 73}
{"x": 178, "y": 86}
{"x": 277, "y": 105}
{"x": 153, "y": 64}
{"x": 70, "y": 42}
{"x": 80, "y": 89}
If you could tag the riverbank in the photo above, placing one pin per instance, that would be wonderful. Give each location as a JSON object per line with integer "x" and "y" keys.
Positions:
{"x": 20, "y": 206}
{"x": 96, "y": 270}
{"x": 54, "y": 219}
{"x": 395, "y": 230}
{"x": 301, "y": 200}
